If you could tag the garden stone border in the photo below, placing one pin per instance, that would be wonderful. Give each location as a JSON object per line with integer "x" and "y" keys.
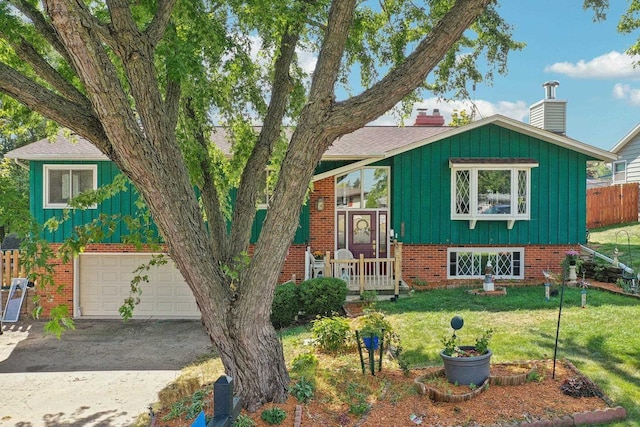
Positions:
{"x": 598, "y": 416}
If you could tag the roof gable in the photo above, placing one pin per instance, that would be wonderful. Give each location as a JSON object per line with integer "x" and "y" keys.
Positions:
{"x": 58, "y": 148}
{"x": 626, "y": 139}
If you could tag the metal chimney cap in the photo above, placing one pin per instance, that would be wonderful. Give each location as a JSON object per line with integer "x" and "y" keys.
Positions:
{"x": 550, "y": 88}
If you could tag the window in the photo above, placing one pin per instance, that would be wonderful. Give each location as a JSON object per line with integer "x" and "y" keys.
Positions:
{"x": 63, "y": 182}
{"x": 620, "y": 172}
{"x": 366, "y": 188}
{"x": 470, "y": 263}
{"x": 265, "y": 194}
{"x": 491, "y": 189}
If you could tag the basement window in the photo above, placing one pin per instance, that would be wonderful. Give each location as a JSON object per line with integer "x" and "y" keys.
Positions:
{"x": 469, "y": 263}
{"x": 491, "y": 189}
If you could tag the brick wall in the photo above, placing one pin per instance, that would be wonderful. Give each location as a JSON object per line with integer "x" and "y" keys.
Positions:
{"x": 429, "y": 262}
{"x": 424, "y": 262}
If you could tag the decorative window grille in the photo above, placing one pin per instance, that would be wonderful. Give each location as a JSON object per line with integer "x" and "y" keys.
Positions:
{"x": 470, "y": 263}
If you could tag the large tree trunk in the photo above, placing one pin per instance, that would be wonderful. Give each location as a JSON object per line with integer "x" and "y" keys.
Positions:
{"x": 135, "y": 126}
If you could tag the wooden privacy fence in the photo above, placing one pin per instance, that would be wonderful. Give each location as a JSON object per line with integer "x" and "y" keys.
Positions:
{"x": 611, "y": 205}
{"x": 10, "y": 267}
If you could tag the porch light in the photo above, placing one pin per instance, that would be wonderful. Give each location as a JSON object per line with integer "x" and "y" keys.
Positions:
{"x": 320, "y": 204}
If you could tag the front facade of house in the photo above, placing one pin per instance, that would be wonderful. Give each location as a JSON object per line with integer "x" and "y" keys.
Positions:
{"x": 496, "y": 190}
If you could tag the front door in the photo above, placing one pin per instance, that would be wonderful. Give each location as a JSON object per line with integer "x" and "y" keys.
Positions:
{"x": 363, "y": 234}
{"x": 367, "y": 233}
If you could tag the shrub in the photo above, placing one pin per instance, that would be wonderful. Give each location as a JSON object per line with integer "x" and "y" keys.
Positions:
{"x": 302, "y": 390}
{"x": 331, "y": 333}
{"x": 373, "y": 323}
{"x": 286, "y": 305}
{"x": 322, "y": 295}
{"x": 274, "y": 415}
{"x": 304, "y": 363}
{"x": 243, "y": 421}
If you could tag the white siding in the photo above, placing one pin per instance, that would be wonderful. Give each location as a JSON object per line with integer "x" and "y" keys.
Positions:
{"x": 631, "y": 153}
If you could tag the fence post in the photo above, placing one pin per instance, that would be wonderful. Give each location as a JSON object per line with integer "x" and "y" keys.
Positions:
{"x": 226, "y": 406}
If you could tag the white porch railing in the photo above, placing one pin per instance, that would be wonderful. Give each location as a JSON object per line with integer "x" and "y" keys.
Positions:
{"x": 361, "y": 274}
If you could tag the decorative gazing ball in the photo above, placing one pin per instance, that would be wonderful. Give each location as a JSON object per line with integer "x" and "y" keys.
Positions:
{"x": 457, "y": 322}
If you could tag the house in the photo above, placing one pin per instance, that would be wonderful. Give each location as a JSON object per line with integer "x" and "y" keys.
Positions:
{"x": 626, "y": 168}
{"x": 452, "y": 198}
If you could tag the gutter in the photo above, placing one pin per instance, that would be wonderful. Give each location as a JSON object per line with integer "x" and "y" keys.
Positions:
{"x": 22, "y": 165}
{"x": 606, "y": 258}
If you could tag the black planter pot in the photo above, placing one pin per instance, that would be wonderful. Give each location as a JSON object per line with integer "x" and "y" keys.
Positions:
{"x": 467, "y": 370}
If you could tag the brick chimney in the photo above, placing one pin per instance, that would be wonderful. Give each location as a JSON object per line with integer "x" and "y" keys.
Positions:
{"x": 424, "y": 119}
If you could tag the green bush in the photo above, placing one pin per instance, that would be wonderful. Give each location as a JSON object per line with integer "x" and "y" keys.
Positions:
{"x": 243, "y": 421}
{"x": 274, "y": 415}
{"x": 302, "y": 390}
{"x": 331, "y": 333}
{"x": 286, "y": 305}
{"x": 305, "y": 363}
{"x": 322, "y": 295}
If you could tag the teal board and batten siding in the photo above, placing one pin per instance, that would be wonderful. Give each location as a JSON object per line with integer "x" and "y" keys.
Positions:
{"x": 123, "y": 203}
{"x": 421, "y": 192}
{"x": 302, "y": 232}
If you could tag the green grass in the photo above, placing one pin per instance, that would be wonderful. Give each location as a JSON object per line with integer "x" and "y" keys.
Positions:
{"x": 602, "y": 340}
{"x": 625, "y": 237}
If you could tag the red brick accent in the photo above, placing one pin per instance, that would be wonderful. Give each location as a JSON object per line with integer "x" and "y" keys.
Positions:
{"x": 429, "y": 262}
{"x": 322, "y": 223}
{"x": 423, "y": 262}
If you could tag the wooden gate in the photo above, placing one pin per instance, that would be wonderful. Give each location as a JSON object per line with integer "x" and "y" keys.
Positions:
{"x": 611, "y": 205}
{"x": 10, "y": 267}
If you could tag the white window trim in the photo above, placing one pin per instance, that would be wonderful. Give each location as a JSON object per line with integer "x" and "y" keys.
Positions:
{"x": 70, "y": 167}
{"x": 268, "y": 189}
{"x": 490, "y": 250}
{"x": 613, "y": 172}
{"x": 473, "y": 216}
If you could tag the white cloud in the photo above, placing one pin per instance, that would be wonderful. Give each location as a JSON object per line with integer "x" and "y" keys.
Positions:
{"x": 626, "y": 93}
{"x": 608, "y": 66}
{"x": 516, "y": 110}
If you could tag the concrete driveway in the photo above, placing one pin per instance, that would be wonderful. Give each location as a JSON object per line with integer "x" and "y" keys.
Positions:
{"x": 105, "y": 373}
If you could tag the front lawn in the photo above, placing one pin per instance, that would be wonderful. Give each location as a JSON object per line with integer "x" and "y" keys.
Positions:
{"x": 601, "y": 340}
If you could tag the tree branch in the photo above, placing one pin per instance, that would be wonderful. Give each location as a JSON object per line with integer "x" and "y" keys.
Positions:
{"x": 28, "y": 54}
{"x": 331, "y": 51}
{"x": 245, "y": 206}
{"x": 210, "y": 196}
{"x": 172, "y": 102}
{"x": 76, "y": 117}
{"x": 406, "y": 77}
{"x": 158, "y": 25}
{"x": 43, "y": 27}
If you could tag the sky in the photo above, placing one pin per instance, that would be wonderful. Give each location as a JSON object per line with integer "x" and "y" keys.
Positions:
{"x": 597, "y": 78}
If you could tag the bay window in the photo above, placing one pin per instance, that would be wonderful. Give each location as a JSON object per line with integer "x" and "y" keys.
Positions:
{"x": 491, "y": 189}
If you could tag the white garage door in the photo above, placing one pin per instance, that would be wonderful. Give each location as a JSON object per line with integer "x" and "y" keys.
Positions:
{"x": 104, "y": 283}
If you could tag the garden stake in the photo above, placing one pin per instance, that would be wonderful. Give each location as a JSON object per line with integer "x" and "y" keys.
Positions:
{"x": 555, "y": 350}
{"x": 372, "y": 358}
{"x": 360, "y": 351}
{"x": 381, "y": 347}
